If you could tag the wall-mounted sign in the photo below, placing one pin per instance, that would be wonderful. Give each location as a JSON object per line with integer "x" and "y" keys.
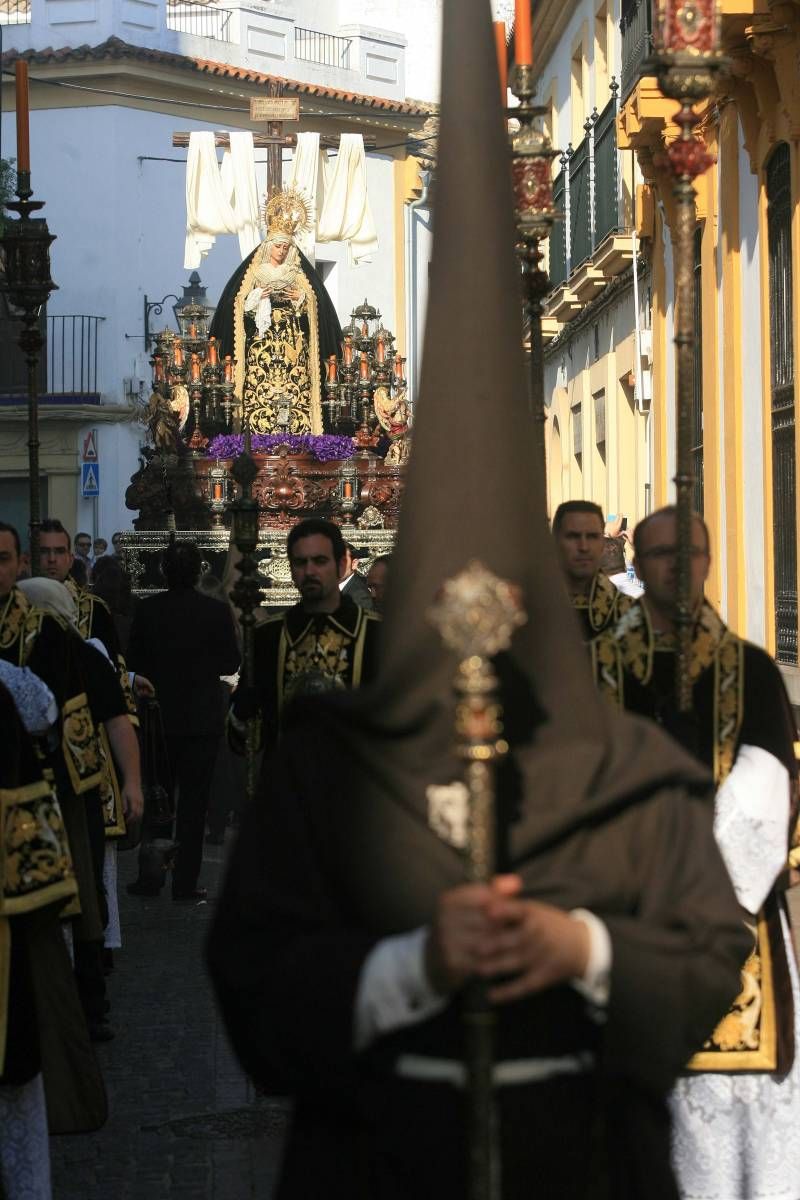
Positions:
{"x": 275, "y": 108}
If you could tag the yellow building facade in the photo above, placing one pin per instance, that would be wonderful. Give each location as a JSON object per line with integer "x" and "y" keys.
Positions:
{"x": 747, "y": 321}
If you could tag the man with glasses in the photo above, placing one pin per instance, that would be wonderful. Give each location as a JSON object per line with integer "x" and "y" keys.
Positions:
{"x": 736, "y": 1111}
{"x": 83, "y": 549}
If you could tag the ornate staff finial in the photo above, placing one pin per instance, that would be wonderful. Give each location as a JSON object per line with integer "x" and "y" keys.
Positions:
{"x": 476, "y": 614}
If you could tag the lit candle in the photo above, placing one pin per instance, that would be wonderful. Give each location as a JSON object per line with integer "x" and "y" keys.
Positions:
{"x": 363, "y": 370}
{"x": 192, "y": 330}
{"x": 332, "y": 368}
{"x": 398, "y": 367}
{"x": 177, "y": 355}
{"x": 195, "y": 369}
{"x": 348, "y": 351}
{"x": 23, "y": 133}
{"x": 158, "y": 363}
{"x": 523, "y": 41}
{"x": 381, "y": 350}
{"x": 212, "y": 352}
{"x": 502, "y": 59}
{"x": 364, "y": 329}
{"x": 228, "y": 368}
{"x": 348, "y": 490}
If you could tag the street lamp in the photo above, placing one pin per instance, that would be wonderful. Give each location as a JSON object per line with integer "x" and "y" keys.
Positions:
{"x": 246, "y": 593}
{"x": 193, "y": 294}
{"x": 534, "y": 215}
{"x": 686, "y": 62}
{"x": 26, "y": 246}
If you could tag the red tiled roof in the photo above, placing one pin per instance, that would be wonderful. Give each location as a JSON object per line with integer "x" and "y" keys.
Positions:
{"x": 115, "y": 48}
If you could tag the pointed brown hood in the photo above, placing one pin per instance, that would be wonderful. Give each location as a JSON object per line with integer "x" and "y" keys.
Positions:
{"x": 476, "y": 490}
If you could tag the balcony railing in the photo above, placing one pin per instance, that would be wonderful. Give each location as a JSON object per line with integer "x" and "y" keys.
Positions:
{"x": 323, "y": 48}
{"x": 586, "y": 192}
{"x": 199, "y": 18}
{"x": 72, "y": 354}
{"x": 15, "y": 12}
{"x": 636, "y": 26}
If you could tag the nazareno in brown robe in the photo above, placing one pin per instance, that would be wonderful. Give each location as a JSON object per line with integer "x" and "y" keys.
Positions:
{"x": 594, "y": 810}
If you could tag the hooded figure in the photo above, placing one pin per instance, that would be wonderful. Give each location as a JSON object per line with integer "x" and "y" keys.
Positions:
{"x": 347, "y": 929}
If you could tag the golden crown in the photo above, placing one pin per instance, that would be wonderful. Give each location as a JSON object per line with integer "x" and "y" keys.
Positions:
{"x": 287, "y": 212}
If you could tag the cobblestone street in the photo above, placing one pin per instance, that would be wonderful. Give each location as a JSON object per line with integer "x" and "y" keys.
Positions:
{"x": 183, "y": 1120}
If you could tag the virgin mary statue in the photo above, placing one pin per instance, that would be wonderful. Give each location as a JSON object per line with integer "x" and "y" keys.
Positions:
{"x": 277, "y": 321}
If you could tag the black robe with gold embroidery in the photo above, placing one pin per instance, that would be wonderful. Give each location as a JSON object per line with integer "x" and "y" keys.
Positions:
{"x": 299, "y": 653}
{"x": 599, "y": 609}
{"x": 738, "y": 699}
{"x": 41, "y": 1022}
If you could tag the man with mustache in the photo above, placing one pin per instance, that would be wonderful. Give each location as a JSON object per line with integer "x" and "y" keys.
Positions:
{"x": 325, "y": 642}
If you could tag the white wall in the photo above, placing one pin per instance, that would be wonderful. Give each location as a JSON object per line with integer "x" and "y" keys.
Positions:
{"x": 559, "y": 67}
{"x": 419, "y": 21}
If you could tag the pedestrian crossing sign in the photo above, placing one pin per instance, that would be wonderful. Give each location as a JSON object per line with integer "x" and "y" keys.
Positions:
{"x": 90, "y": 480}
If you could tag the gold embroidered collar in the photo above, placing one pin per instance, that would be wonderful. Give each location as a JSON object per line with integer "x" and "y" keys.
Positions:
{"x": 638, "y": 642}
{"x": 13, "y": 617}
{"x": 600, "y": 604}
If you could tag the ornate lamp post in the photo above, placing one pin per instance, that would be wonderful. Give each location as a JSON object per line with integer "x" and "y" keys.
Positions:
{"x": 686, "y": 62}
{"x": 26, "y": 245}
{"x": 246, "y": 594}
{"x": 534, "y": 214}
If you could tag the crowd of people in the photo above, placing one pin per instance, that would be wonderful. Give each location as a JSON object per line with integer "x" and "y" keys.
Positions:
{"x": 82, "y": 668}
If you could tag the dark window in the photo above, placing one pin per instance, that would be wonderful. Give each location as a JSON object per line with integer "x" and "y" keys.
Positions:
{"x": 577, "y": 432}
{"x": 697, "y": 397}
{"x": 784, "y": 486}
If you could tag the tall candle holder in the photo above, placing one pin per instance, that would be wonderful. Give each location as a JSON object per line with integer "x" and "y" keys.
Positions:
{"x": 686, "y": 61}
{"x": 534, "y": 215}
{"x": 26, "y": 244}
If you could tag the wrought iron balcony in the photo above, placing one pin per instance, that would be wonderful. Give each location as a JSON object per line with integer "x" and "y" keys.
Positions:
{"x": 586, "y": 192}
{"x": 325, "y": 48}
{"x": 201, "y": 18}
{"x": 15, "y": 12}
{"x": 68, "y": 366}
{"x": 636, "y": 27}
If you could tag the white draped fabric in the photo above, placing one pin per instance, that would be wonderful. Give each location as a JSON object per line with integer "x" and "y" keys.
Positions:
{"x": 208, "y": 209}
{"x": 346, "y": 214}
{"x": 307, "y": 175}
{"x": 737, "y": 1137}
{"x": 238, "y": 172}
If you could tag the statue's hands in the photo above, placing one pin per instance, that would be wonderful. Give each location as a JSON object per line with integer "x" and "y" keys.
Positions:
{"x": 488, "y": 930}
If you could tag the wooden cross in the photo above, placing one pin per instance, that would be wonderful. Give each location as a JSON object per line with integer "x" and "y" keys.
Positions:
{"x": 274, "y": 108}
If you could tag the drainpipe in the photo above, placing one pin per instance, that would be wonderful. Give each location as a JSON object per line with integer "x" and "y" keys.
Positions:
{"x": 413, "y": 349}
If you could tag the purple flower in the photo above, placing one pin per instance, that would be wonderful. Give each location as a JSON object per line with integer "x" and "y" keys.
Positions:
{"x": 324, "y": 447}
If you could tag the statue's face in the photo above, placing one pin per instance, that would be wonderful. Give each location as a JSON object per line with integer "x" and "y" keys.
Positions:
{"x": 278, "y": 252}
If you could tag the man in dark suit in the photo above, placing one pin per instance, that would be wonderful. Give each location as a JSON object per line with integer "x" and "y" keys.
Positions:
{"x": 184, "y": 641}
{"x": 354, "y": 585}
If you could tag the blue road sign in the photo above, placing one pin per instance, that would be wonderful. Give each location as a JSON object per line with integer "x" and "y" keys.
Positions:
{"x": 90, "y": 479}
